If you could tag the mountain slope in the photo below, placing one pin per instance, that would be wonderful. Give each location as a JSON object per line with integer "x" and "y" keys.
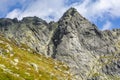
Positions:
{"x": 22, "y": 63}
{"x": 91, "y": 54}
{"x": 80, "y": 44}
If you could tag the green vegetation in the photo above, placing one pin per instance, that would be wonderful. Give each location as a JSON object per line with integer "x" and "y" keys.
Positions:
{"x": 22, "y": 63}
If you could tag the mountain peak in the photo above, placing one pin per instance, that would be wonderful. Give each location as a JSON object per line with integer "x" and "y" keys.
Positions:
{"x": 70, "y": 13}
{"x": 71, "y": 10}
{"x": 73, "y": 40}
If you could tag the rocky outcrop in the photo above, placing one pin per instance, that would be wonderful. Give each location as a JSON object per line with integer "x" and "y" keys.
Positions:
{"x": 90, "y": 53}
{"x": 81, "y": 45}
{"x": 32, "y": 31}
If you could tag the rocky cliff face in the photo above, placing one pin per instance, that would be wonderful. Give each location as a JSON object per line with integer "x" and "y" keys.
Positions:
{"x": 32, "y": 31}
{"x": 90, "y": 53}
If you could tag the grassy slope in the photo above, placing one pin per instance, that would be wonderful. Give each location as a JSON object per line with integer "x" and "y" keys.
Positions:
{"x": 23, "y": 64}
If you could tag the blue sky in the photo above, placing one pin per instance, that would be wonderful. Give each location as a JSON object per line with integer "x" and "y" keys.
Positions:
{"x": 104, "y": 13}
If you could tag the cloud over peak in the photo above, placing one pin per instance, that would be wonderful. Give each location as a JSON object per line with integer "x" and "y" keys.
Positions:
{"x": 41, "y": 8}
{"x": 94, "y": 10}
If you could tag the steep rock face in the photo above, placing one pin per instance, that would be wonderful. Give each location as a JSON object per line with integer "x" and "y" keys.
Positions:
{"x": 90, "y": 53}
{"x": 32, "y": 31}
{"x": 81, "y": 45}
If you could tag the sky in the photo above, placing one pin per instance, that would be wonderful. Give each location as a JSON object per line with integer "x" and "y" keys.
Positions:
{"x": 104, "y": 13}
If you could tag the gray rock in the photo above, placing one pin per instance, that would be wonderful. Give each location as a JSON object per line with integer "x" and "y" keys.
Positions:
{"x": 74, "y": 40}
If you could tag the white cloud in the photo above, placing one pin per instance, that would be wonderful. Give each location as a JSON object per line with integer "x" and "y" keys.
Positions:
{"x": 14, "y": 13}
{"x": 7, "y": 5}
{"x": 99, "y": 8}
{"x": 42, "y": 9}
{"x": 55, "y": 8}
{"x": 107, "y": 26}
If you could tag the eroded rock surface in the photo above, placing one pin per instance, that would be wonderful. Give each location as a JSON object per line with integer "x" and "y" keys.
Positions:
{"x": 90, "y": 53}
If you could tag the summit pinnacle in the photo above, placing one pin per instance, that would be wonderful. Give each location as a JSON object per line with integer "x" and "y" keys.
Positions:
{"x": 91, "y": 54}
